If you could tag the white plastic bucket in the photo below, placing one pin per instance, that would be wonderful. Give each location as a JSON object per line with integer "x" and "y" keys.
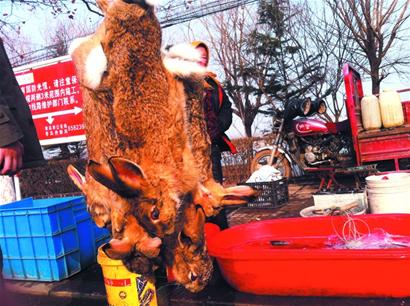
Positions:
{"x": 389, "y": 193}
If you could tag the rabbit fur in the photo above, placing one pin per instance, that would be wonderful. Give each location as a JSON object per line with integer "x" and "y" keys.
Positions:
{"x": 147, "y": 145}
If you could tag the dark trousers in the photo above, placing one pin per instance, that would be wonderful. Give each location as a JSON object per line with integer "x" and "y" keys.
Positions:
{"x": 216, "y": 163}
{"x": 220, "y": 219}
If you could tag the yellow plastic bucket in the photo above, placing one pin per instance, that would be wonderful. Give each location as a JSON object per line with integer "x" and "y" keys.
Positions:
{"x": 123, "y": 287}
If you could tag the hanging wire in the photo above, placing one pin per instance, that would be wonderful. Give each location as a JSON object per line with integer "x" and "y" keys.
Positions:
{"x": 169, "y": 14}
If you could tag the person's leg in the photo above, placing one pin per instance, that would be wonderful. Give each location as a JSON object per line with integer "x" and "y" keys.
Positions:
{"x": 6, "y": 298}
{"x": 216, "y": 163}
{"x": 220, "y": 219}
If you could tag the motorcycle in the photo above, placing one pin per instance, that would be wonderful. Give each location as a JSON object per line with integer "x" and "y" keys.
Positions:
{"x": 305, "y": 142}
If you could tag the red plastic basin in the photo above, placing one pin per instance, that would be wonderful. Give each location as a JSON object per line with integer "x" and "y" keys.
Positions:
{"x": 306, "y": 267}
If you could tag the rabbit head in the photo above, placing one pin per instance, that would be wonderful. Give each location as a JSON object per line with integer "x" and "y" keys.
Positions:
{"x": 186, "y": 253}
{"x": 154, "y": 200}
{"x": 109, "y": 209}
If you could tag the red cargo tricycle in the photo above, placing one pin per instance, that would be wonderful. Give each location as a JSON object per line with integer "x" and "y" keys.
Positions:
{"x": 330, "y": 148}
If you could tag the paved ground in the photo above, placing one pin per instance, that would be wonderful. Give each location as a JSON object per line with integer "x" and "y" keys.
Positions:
{"x": 87, "y": 287}
{"x": 300, "y": 196}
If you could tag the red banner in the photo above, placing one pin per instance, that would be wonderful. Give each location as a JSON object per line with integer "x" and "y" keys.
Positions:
{"x": 53, "y": 94}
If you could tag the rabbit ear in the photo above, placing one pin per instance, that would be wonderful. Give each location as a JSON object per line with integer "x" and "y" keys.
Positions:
{"x": 127, "y": 173}
{"x": 104, "y": 175}
{"x": 184, "y": 240}
{"x": 194, "y": 224}
{"x": 77, "y": 178}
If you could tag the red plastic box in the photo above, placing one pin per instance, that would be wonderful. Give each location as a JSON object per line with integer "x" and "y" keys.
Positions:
{"x": 305, "y": 267}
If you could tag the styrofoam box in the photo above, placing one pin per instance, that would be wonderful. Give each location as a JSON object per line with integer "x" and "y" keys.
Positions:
{"x": 326, "y": 200}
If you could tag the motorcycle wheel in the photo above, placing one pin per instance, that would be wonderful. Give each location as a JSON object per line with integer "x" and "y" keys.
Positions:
{"x": 282, "y": 164}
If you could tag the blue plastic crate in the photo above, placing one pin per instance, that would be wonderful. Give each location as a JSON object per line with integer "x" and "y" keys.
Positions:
{"x": 48, "y": 239}
{"x": 39, "y": 239}
{"x": 86, "y": 234}
{"x": 102, "y": 235}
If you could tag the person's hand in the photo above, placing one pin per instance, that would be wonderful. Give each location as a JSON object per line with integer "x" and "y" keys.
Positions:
{"x": 11, "y": 158}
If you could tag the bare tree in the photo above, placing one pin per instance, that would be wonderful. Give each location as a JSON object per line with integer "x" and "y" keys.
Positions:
{"x": 17, "y": 46}
{"x": 293, "y": 67}
{"x": 265, "y": 64}
{"x": 59, "y": 35}
{"x": 12, "y": 21}
{"x": 323, "y": 34}
{"x": 27, "y": 41}
{"x": 377, "y": 27}
{"x": 59, "y": 40}
{"x": 56, "y": 7}
{"x": 227, "y": 34}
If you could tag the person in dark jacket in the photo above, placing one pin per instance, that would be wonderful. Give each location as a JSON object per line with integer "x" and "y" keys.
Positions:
{"x": 19, "y": 145}
{"x": 218, "y": 117}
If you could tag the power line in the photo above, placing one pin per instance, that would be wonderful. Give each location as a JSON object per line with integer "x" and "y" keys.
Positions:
{"x": 169, "y": 14}
{"x": 197, "y": 9}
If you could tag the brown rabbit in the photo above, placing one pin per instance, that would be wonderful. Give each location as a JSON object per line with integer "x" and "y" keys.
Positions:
{"x": 104, "y": 139}
{"x": 211, "y": 195}
{"x": 186, "y": 252}
{"x": 102, "y": 142}
{"x": 131, "y": 242}
{"x": 148, "y": 113}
